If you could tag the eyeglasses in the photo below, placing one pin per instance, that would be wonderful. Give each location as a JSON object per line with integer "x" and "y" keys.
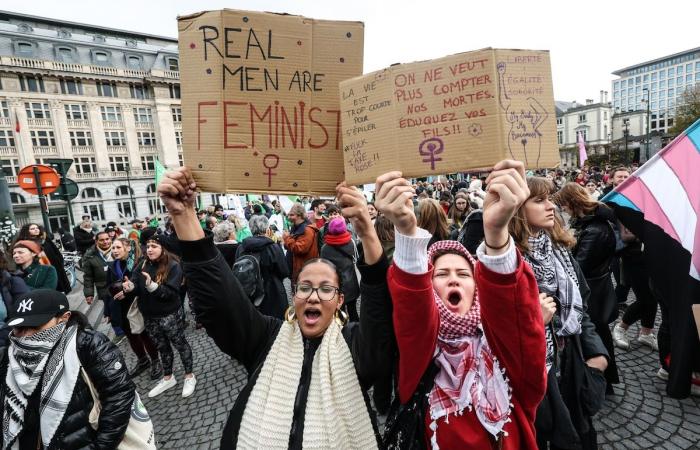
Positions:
{"x": 325, "y": 293}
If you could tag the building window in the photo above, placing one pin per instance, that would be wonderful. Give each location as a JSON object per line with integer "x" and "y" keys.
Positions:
{"x": 584, "y": 133}
{"x": 133, "y": 62}
{"x": 154, "y": 204}
{"x": 146, "y": 139}
{"x": 80, "y": 138}
{"x": 560, "y": 121}
{"x": 17, "y": 199}
{"x": 177, "y": 114}
{"x": 43, "y": 138}
{"x": 174, "y": 91}
{"x": 107, "y": 88}
{"x": 86, "y": 165}
{"x": 7, "y": 138}
{"x": 139, "y": 91}
{"x": 101, "y": 58}
{"x": 71, "y": 87}
{"x": 115, "y": 138}
{"x": 65, "y": 54}
{"x": 76, "y": 112}
{"x": 581, "y": 118}
{"x": 560, "y": 137}
{"x": 124, "y": 204}
{"x": 94, "y": 210}
{"x": 118, "y": 163}
{"x": 148, "y": 162}
{"x": 180, "y": 159}
{"x": 143, "y": 115}
{"x": 4, "y": 108}
{"x": 173, "y": 64}
{"x": 24, "y": 49}
{"x": 31, "y": 83}
{"x": 10, "y": 167}
{"x": 38, "y": 110}
{"x": 112, "y": 113}
{"x": 178, "y": 138}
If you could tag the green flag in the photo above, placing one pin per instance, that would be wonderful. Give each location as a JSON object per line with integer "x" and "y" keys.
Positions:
{"x": 160, "y": 171}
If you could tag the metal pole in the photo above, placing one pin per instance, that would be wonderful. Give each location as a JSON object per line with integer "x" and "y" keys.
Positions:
{"x": 64, "y": 194}
{"x": 42, "y": 201}
{"x": 627, "y": 161}
{"x": 648, "y": 127}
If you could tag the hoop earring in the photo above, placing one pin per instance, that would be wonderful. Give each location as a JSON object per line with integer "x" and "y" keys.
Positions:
{"x": 341, "y": 317}
{"x": 290, "y": 315}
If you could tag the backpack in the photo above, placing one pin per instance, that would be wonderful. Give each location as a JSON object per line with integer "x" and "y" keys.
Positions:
{"x": 247, "y": 270}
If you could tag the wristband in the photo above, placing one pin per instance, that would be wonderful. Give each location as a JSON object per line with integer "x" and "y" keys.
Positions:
{"x": 500, "y": 247}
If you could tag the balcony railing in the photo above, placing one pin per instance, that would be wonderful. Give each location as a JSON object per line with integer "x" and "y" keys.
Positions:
{"x": 116, "y": 149}
{"x": 40, "y": 122}
{"x": 8, "y": 151}
{"x": 148, "y": 149}
{"x": 118, "y": 174}
{"x": 11, "y": 179}
{"x": 148, "y": 173}
{"x": 78, "y": 123}
{"x": 83, "y": 149}
{"x": 113, "y": 124}
{"x": 45, "y": 150}
{"x": 144, "y": 125}
{"x": 86, "y": 68}
{"x": 178, "y": 125}
{"x": 5, "y": 122}
{"x": 86, "y": 176}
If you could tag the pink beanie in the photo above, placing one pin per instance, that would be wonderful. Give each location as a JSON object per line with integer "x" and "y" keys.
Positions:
{"x": 337, "y": 226}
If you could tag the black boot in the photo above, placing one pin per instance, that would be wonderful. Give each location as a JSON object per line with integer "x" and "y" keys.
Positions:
{"x": 156, "y": 370}
{"x": 141, "y": 365}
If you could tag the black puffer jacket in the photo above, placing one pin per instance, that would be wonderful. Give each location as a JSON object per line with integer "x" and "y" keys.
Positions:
{"x": 165, "y": 300}
{"x": 107, "y": 370}
{"x": 240, "y": 331}
{"x": 273, "y": 268}
{"x": 594, "y": 252}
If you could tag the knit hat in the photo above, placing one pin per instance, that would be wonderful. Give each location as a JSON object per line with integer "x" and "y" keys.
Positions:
{"x": 32, "y": 246}
{"x": 337, "y": 226}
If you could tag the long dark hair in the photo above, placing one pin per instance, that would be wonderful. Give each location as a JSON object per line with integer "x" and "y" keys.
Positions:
{"x": 163, "y": 263}
{"x": 24, "y": 235}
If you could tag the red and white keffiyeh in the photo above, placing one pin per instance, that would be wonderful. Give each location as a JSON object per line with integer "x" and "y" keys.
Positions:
{"x": 469, "y": 374}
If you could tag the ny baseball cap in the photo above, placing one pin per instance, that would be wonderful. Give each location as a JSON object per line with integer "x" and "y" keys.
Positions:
{"x": 37, "y": 307}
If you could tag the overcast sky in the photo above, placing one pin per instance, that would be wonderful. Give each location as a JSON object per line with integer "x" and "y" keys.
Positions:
{"x": 587, "y": 39}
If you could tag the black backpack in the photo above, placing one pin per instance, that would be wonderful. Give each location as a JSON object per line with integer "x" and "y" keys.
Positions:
{"x": 247, "y": 270}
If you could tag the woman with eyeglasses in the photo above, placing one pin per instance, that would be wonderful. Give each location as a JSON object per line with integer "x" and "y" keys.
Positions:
{"x": 308, "y": 374}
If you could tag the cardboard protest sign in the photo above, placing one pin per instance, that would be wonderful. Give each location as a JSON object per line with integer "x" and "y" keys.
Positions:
{"x": 458, "y": 113}
{"x": 260, "y": 99}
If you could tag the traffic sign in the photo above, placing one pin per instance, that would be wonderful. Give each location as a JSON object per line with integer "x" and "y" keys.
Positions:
{"x": 71, "y": 190}
{"x": 60, "y": 164}
{"x": 47, "y": 178}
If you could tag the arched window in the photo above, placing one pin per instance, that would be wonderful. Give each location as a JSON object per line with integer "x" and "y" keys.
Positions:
{"x": 155, "y": 206}
{"x": 125, "y": 201}
{"x": 90, "y": 193}
{"x": 134, "y": 62}
{"x": 124, "y": 191}
{"x": 17, "y": 199}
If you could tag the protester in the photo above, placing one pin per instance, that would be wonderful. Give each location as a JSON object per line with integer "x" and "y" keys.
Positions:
{"x": 219, "y": 213}
{"x": 300, "y": 241}
{"x": 636, "y": 275}
{"x": 33, "y": 231}
{"x": 273, "y": 266}
{"x": 45, "y": 396}
{"x": 95, "y": 263}
{"x": 37, "y": 276}
{"x": 622, "y": 289}
{"x": 432, "y": 217}
{"x": 385, "y": 232}
{"x": 156, "y": 284}
{"x": 574, "y": 351}
{"x": 11, "y": 287}
{"x": 458, "y": 213}
{"x": 318, "y": 207}
{"x": 330, "y": 364}
{"x": 84, "y": 235}
{"x": 470, "y": 336}
{"x": 340, "y": 249}
{"x": 242, "y": 230}
{"x": 594, "y": 251}
{"x": 135, "y": 232}
{"x": 592, "y": 189}
{"x": 278, "y": 220}
{"x": 225, "y": 240}
{"x": 617, "y": 176}
{"x": 67, "y": 239}
{"x": 125, "y": 255}
{"x": 476, "y": 194}
{"x": 372, "y": 212}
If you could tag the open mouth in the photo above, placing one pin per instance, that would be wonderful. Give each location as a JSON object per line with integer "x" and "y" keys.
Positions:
{"x": 454, "y": 298}
{"x": 312, "y": 315}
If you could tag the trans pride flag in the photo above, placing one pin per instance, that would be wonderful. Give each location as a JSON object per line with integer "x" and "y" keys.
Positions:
{"x": 666, "y": 190}
{"x": 660, "y": 204}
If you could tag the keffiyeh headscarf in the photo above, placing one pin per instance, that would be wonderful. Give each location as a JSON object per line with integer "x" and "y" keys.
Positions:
{"x": 469, "y": 374}
{"x": 555, "y": 275}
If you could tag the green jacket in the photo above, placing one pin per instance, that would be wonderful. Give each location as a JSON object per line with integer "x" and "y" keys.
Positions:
{"x": 38, "y": 276}
{"x": 94, "y": 274}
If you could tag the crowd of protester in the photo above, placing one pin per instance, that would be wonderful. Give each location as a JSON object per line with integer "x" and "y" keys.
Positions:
{"x": 480, "y": 311}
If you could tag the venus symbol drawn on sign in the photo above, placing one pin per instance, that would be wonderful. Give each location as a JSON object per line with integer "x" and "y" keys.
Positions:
{"x": 429, "y": 148}
{"x": 273, "y": 159}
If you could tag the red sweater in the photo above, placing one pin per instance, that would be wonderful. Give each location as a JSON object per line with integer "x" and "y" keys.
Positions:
{"x": 512, "y": 322}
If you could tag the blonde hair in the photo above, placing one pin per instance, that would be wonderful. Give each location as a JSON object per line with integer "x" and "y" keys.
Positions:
{"x": 520, "y": 229}
{"x": 433, "y": 218}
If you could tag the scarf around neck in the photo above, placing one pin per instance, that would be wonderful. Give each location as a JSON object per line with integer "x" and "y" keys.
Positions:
{"x": 335, "y": 415}
{"x": 556, "y": 276}
{"x": 469, "y": 374}
{"x": 48, "y": 360}
{"x": 337, "y": 239}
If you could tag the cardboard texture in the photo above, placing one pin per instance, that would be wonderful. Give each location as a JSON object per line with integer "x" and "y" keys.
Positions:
{"x": 461, "y": 112}
{"x": 260, "y": 99}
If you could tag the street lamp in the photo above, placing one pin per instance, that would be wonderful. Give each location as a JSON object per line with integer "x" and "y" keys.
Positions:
{"x": 131, "y": 191}
{"x": 648, "y": 102}
{"x": 626, "y": 123}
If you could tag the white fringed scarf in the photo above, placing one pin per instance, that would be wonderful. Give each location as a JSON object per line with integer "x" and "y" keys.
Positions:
{"x": 336, "y": 415}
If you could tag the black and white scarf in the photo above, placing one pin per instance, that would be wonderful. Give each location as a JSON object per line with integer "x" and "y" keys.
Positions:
{"x": 49, "y": 356}
{"x": 555, "y": 275}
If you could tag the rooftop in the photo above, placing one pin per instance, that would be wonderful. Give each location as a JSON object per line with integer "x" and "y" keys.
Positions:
{"x": 654, "y": 61}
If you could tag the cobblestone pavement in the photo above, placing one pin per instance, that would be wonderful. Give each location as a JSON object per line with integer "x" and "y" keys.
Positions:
{"x": 639, "y": 416}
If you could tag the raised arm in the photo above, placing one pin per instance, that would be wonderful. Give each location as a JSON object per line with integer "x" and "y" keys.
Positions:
{"x": 220, "y": 302}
